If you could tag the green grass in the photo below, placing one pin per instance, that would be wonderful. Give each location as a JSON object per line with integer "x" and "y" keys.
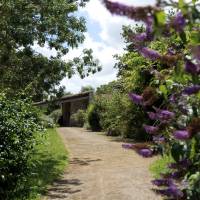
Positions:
{"x": 160, "y": 166}
{"x": 50, "y": 160}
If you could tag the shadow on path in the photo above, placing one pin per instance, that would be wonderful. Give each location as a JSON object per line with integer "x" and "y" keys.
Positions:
{"x": 62, "y": 188}
{"x": 83, "y": 161}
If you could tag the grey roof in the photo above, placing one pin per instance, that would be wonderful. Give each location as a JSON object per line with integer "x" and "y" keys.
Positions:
{"x": 68, "y": 98}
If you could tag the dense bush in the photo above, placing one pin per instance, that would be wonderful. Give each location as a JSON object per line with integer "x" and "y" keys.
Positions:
{"x": 18, "y": 125}
{"x": 116, "y": 113}
{"x": 93, "y": 117}
{"x": 46, "y": 121}
{"x": 78, "y": 118}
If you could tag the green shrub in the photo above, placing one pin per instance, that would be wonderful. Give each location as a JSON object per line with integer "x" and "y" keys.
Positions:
{"x": 78, "y": 118}
{"x": 93, "y": 117}
{"x": 18, "y": 125}
{"x": 55, "y": 115}
{"x": 47, "y": 121}
{"x": 118, "y": 116}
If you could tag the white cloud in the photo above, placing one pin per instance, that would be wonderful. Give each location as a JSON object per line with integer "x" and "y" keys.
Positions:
{"x": 102, "y": 52}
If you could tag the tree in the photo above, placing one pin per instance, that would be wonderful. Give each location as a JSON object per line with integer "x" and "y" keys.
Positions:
{"x": 87, "y": 88}
{"x": 52, "y": 23}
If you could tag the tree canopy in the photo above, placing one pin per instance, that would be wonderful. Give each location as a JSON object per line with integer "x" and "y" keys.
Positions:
{"x": 53, "y": 23}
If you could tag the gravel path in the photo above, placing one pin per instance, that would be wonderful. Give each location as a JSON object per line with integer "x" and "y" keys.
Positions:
{"x": 99, "y": 169}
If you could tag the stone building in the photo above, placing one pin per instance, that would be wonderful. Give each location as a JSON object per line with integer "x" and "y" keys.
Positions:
{"x": 70, "y": 104}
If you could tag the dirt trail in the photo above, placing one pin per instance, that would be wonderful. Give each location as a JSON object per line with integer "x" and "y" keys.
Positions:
{"x": 99, "y": 169}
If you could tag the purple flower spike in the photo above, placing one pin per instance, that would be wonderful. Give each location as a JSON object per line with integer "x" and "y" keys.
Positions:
{"x": 165, "y": 115}
{"x": 185, "y": 163}
{"x": 127, "y": 146}
{"x": 171, "y": 191}
{"x": 149, "y": 28}
{"x": 136, "y": 13}
{"x": 137, "y": 99}
{"x": 145, "y": 153}
{"x": 152, "y": 115}
{"x": 140, "y": 37}
{"x": 192, "y": 68}
{"x": 191, "y": 90}
{"x": 179, "y": 22}
{"x": 162, "y": 182}
{"x": 181, "y": 135}
{"x": 149, "y": 53}
{"x": 151, "y": 129}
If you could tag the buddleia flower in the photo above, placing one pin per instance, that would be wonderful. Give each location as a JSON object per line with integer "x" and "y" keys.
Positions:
{"x": 137, "y": 99}
{"x": 182, "y": 134}
{"x": 179, "y": 22}
{"x": 145, "y": 152}
{"x": 194, "y": 89}
{"x": 192, "y": 68}
{"x": 136, "y": 13}
{"x": 149, "y": 53}
{"x": 151, "y": 129}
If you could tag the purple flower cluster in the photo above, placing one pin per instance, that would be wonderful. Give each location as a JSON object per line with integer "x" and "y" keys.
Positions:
{"x": 149, "y": 53}
{"x": 172, "y": 191}
{"x": 182, "y": 134}
{"x": 137, "y": 99}
{"x": 128, "y": 146}
{"x": 136, "y": 13}
{"x": 162, "y": 182}
{"x": 151, "y": 129}
{"x": 145, "y": 152}
{"x": 165, "y": 115}
{"x": 192, "y": 68}
{"x": 162, "y": 115}
{"x": 141, "y": 37}
{"x": 191, "y": 90}
{"x": 179, "y": 22}
{"x": 148, "y": 35}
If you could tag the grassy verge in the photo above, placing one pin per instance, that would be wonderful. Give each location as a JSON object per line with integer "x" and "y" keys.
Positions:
{"x": 50, "y": 160}
{"x": 160, "y": 166}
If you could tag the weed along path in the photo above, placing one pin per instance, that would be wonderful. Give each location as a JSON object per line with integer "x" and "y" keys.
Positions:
{"x": 99, "y": 169}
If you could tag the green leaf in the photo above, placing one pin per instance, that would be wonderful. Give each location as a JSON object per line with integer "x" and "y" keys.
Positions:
{"x": 161, "y": 17}
{"x": 194, "y": 37}
{"x": 163, "y": 89}
{"x": 182, "y": 6}
{"x": 183, "y": 37}
{"x": 181, "y": 3}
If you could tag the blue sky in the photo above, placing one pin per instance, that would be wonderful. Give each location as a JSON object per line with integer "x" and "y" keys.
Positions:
{"x": 104, "y": 38}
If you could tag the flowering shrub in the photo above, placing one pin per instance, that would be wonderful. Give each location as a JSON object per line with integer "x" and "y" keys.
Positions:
{"x": 176, "y": 121}
{"x": 18, "y": 124}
